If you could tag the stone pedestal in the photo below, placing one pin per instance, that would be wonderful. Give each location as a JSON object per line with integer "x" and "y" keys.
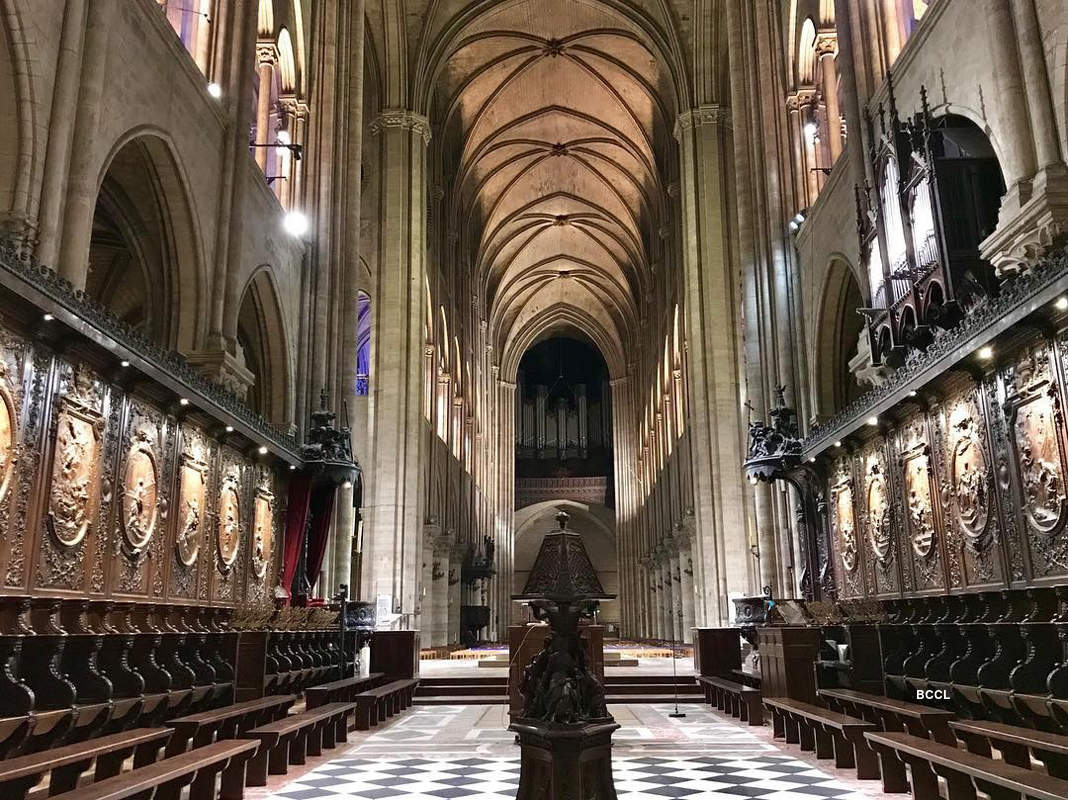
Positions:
{"x": 565, "y": 762}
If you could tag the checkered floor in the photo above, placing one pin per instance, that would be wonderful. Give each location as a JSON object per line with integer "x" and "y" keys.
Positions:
{"x": 760, "y": 777}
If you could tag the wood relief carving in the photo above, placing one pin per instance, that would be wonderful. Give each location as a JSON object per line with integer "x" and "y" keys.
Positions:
{"x": 262, "y": 532}
{"x": 844, "y": 524}
{"x": 8, "y": 433}
{"x": 969, "y": 478}
{"x": 140, "y": 500}
{"x": 20, "y": 465}
{"x": 75, "y": 489}
{"x": 228, "y": 532}
{"x": 879, "y": 532}
{"x": 192, "y": 494}
{"x": 918, "y": 499}
{"x": 1038, "y": 451}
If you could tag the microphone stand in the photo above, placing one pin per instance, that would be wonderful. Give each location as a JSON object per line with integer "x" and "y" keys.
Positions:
{"x": 676, "y": 714}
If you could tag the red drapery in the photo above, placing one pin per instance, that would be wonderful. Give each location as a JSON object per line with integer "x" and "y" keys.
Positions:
{"x": 300, "y": 491}
{"x": 322, "y": 507}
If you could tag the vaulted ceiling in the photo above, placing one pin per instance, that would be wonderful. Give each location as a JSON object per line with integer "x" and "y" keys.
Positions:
{"x": 554, "y": 121}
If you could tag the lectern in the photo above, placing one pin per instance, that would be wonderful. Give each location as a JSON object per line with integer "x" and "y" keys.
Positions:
{"x": 564, "y": 729}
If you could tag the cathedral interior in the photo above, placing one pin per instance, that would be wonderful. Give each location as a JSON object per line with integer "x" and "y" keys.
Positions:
{"x": 501, "y": 399}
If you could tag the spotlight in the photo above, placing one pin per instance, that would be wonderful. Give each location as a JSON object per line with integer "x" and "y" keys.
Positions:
{"x": 793, "y": 225}
{"x": 263, "y": 450}
{"x": 124, "y": 363}
{"x": 1062, "y": 303}
{"x": 283, "y": 137}
{"x": 183, "y": 402}
{"x": 295, "y": 224}
{"x": 346, "y": 485}
{"x": 48, "y": 318}
{"x": 229, "y": 428}
{"x": 215, "y": 90}
{"x": 986, "y": 353}
{"x": 799, "y": 217}
{"x": 838, "y": 443}
{"x": 873, "y": 421}
{"x": 912, "y": 393}
{"x": 812, "y": 460}
{"x": 810, "y": 130}
{"x": 292, "y": 466}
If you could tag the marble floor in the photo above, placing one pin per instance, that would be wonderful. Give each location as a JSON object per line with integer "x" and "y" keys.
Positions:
{"x": 466, "y": 753}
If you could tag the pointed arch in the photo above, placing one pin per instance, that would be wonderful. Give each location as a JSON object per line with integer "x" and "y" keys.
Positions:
{"x": 263, "y": 343}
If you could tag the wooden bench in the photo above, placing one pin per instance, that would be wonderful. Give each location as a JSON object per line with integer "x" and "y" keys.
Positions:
{"x": 165, "y": 779}
{"x": 20, "y": 774}
{"x": 291, "y": 739}
{"x": 344, "y": 690}
{"x": 225, "y": 723}
{"x": 739, "y": 700}
{"x": 375, "y": 705}
{"x": 893, "y": 715}
{"x": 964, "y": 773}
{"x": 1016, "y": 745}
{"x": 827, "y": 732}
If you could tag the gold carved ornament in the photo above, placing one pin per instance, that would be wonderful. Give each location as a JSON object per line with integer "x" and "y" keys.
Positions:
{"x": 140, "y": 496}
{"x": 228, "y": 532}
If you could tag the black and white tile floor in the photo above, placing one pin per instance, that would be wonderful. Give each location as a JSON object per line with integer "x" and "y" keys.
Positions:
{"x": 464, "y": 753}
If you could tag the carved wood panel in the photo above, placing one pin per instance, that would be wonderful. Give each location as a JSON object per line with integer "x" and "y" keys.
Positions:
{"x": 189, "y": 529}
{"x": 844, "y": 531}
{"x": 230, "y": 526}
{"x": 877, "y": 522}
{"x": 922, "y": 545}
{"x": 75, "y": 482}
{"x": 1035, "y": 422}
{"x": 22, "y": 382}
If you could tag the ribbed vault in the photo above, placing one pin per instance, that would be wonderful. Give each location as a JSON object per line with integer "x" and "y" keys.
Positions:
{"x": 553, "y": 119}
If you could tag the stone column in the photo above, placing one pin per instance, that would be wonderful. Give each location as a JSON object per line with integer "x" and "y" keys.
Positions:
{"x": 674, "y": 572}
{"x": 807, "y": 105}
{"x": 266, "y": 59}
{"x": 456, "y": 557}
{"x": 439, "y": 616}
{"x": 647, "y": 587}
{"x": 395, "y": 496}
{"x": 75, "y": 225}
{"x": 826, "y": 50}
{"x": 793, "y": 118}
{"x": 684, "y": 536}
{"x": 716, "y": 424}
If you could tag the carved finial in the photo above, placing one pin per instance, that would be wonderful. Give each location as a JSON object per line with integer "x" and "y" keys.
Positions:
{"x": 322, "y": 399}
{"x": 561, "y": 519}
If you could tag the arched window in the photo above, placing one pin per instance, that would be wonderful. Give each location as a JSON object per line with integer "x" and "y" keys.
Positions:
{"x": 363, "y": 344}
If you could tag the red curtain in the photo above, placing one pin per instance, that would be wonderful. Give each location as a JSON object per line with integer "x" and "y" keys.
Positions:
{"x": 322, "y": 508}
{"x": 296, "y": 522}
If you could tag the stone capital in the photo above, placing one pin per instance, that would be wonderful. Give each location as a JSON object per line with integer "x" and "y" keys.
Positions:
{"x": 826, "y": 43}
{"x": 401, "y": 118}
{"x": 708, "y": 114}
{"x": 266, "y": 53}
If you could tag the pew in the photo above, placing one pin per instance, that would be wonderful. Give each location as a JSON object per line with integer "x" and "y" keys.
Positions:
{"x": 893, "y": 715}
{"x": 964, "y": 773}
{"x": 164, "y": 780}
{"x": 225, "y": 723}
{"x": 290, "y": 739}
{"x": 65, "y": 764}
{"x": 1016, "y": 745}
{"x": 343, "y": 690}
{"x": 739, "y": 700}
{"x": 826, "y": 732}
{"x": 375, "y": 705}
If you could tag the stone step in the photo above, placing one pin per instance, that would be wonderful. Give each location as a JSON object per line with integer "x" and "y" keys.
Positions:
{"x": 459, "y": 689}
{"x": 461, "y": 700}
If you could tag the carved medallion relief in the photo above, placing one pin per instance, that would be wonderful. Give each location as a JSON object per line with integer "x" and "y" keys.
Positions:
{"x": 192, "y": 494}
{"x": 19, "y": 466}
{"x": 918, "y": 503}
{"x": 140, "y": 500}
{"x": 262, "y": 532}
{"x": 969, "y": 478}
{"x": 878, "y": 529}
{"x": 8, "y": 434}
{"x": 228, "y": 531}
